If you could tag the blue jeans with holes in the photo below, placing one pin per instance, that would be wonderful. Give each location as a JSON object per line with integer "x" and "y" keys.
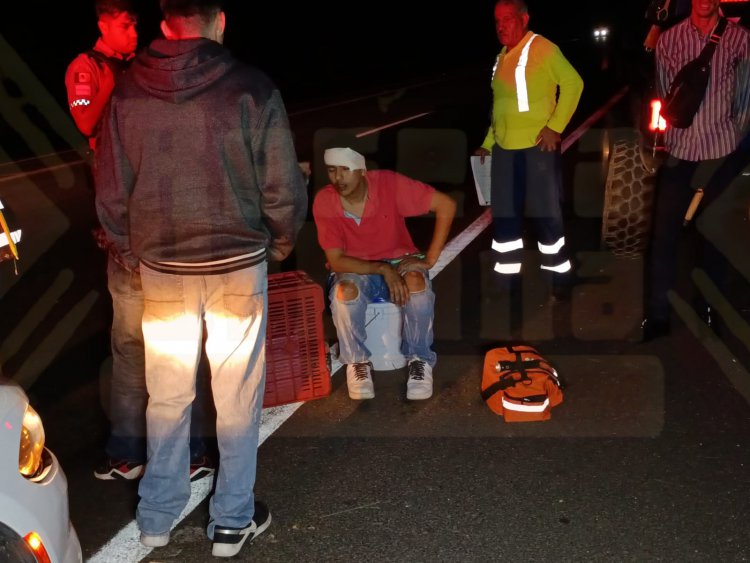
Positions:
{"x": 128, "y": 394}
{"x": 349, "y": 318}
{"x": 233, "y": 306}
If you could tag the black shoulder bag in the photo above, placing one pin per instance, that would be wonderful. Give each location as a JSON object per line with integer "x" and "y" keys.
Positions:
{"x": 689, "y": 85}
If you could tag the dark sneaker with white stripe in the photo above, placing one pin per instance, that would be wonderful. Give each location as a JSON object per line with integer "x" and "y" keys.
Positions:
{"x": 201, "y": 467}
{"x": 229, "y": 541}
{"x": 111, "y": 469}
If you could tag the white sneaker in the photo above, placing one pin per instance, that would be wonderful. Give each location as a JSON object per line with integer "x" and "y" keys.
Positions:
{"x": 419, "y": 384}
{"x": 154, "y": 540}
{"x": 359, "y": 381}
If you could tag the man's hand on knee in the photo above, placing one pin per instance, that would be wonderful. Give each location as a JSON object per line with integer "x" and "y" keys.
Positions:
{"x": 399, "y": 293}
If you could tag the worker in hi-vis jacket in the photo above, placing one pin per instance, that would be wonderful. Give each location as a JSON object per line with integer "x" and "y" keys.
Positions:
{"x": 523, "y": 139}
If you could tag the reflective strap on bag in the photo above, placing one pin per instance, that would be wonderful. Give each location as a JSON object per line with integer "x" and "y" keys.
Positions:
{"x": 523, "y": 407}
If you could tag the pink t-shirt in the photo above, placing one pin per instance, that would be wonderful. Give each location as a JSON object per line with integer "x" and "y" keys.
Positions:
{"x": 381, "y": 233}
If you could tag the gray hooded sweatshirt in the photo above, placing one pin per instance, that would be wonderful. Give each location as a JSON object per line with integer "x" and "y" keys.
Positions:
{"x": 196, "y": 171}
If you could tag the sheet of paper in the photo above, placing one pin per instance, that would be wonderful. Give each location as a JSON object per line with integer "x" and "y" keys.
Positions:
{"x": 482, "y": 178}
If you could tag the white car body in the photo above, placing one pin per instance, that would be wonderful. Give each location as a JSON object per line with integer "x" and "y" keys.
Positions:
{"x": 31, "y": 506}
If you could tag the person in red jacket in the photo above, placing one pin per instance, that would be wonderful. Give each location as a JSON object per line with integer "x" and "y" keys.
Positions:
{"x": 92, "y": 75}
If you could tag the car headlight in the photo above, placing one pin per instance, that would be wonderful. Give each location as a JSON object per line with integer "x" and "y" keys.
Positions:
{"x": 31, "y": 452}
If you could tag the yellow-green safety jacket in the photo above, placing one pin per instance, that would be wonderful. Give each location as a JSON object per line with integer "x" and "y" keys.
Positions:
{"x": 524, "y": 87}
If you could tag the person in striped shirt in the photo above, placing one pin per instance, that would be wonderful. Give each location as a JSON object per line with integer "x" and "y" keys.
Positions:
{"x": 697, "y": 151}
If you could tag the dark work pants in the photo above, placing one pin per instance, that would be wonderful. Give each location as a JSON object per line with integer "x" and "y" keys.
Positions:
{"x": 527, "y": 184}
{"x": 673, "y": 196}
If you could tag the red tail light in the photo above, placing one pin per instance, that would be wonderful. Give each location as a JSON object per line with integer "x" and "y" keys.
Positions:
{"x": 657, "y": 122}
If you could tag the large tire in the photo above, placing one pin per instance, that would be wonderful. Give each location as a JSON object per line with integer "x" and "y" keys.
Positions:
{"x": 628, "y": 196}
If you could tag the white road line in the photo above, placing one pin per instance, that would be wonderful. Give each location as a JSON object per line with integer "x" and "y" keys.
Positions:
{"x": 399, "y": 122}
{"x": 461, "y": 241}
{"x": 272, "y": 418}
{"x": 125, "y": 547}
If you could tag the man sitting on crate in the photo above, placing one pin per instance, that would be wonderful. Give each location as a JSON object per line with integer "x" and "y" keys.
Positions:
{"x": 360, "y": 217}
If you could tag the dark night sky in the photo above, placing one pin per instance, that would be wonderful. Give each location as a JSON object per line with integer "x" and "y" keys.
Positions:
{"x": 316, "y": 49}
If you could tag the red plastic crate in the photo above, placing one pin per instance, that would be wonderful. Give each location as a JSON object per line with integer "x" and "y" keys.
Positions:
{"x": 296, "y": 366}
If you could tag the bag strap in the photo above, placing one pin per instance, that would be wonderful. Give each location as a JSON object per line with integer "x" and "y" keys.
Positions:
{"x": 507, "y": 369}
{"x": 713, "y": 41}
{"x": 520, "y": 366}
{"x": 506, "y": 380}
{"x": 552, "y": 374}
{"x": 114, "y": 64}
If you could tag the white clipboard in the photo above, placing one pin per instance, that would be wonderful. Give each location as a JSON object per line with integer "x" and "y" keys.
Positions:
{"x": 481, "y": 174}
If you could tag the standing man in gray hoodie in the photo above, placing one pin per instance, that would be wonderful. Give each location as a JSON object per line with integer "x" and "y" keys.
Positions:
{"x": 198, "y": 184}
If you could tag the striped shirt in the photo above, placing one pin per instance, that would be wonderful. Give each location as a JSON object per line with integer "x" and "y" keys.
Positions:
{"x": 723, "y": 115}
{"x": 212, "y": 268}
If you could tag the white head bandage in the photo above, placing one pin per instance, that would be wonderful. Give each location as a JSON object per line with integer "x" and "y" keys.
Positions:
{"x": 344, "y": 157}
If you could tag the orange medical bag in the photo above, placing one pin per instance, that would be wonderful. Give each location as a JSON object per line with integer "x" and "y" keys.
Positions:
{"x": 519, "y": 384}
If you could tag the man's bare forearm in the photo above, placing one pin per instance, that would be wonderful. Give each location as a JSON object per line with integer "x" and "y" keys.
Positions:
{"x": 350, "y": 265}
{"x": 445, "y": 211}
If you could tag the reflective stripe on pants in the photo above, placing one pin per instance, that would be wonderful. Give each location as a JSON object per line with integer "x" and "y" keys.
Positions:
{"x": 527, "y": 183}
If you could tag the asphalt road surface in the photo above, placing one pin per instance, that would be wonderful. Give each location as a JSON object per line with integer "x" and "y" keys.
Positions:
{"x": 645, "y": 460}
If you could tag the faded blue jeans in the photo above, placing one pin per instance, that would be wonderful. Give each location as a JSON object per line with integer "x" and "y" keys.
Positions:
{"x": 234, "y": 307}
{"x": 349, "y": 318}
{"x": 128, "y": 395}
